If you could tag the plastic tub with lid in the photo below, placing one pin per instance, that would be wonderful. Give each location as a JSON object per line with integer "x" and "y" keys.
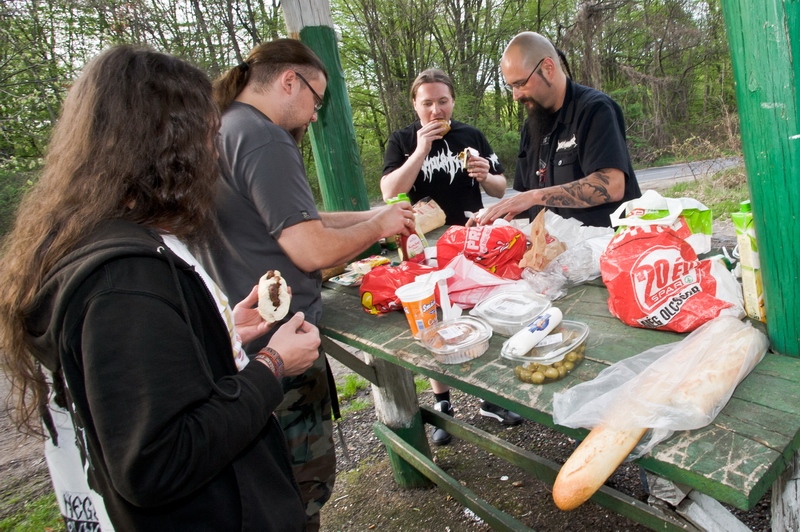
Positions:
{"x": 458, "y": 340}
{"x": 507, "y": 312}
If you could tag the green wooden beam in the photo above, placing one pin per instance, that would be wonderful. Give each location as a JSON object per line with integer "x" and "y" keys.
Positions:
{"x": 764, "y": 40}
{"x": 547, "y": 470}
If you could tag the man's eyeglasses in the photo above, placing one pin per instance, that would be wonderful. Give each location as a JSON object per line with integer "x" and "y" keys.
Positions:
{"x": 519, "y": 84}
{"x": 317, "y": 97}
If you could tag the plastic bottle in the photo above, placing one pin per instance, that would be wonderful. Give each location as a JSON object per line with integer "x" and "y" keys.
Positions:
{"x": 752, "y": 287}
{"x": 409, "y": 247}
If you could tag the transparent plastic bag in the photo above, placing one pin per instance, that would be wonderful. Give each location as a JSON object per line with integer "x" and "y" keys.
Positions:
{"x": 672, "y": 387}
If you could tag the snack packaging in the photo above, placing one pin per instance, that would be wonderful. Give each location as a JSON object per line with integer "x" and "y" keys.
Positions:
{"x": 378, "y": 286}
{"x": 498, "y": 248}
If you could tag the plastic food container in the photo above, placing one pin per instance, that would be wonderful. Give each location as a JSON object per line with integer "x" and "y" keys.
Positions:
{"x": 458, "y": 340}
{"x": 555, "y": 357}
{"x": 508, "y": 312}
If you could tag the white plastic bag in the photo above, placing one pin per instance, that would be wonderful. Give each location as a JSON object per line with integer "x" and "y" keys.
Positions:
{"x": 678, "y": 386}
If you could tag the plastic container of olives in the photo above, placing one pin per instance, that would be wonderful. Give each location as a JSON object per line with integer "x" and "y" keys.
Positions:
{"x": 507, "y": 312}
{"x": 553, "y": 358}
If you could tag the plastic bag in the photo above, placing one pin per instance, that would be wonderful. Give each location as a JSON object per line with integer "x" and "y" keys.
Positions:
{"x": 471, "y": 283}
{"x": 498, "y": 248}
{"x": 672, "y": 387}
{"x": 656, "y": 281}
{"x": 690, "y": 219}
{"x": 378, "y": 286}
{"x": 544, "y": 247}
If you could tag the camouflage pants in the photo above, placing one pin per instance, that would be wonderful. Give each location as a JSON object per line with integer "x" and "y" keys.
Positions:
{"x": 305, "y": 415}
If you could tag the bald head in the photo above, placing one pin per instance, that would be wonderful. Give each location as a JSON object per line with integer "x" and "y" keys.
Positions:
{"x": 526, "y": 49}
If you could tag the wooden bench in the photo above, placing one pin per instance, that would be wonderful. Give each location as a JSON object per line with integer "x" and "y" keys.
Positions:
{"x": 735, "y": 460}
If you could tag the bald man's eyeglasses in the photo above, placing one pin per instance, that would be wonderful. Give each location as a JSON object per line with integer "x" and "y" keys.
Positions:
{"x": 317, "y": 97}
{"x": 519, "y": 84}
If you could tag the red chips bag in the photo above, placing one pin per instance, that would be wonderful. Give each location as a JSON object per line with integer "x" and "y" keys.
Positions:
{"x": 498, "y": 248}
{"x": 378, "y": 286}
{"x": 656, "y": 281}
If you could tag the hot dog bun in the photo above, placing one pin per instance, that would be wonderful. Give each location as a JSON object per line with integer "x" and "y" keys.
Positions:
{"x": 273, "y": 296}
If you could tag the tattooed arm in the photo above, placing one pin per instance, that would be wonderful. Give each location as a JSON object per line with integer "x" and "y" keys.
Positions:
{"x": 603, "y": 186}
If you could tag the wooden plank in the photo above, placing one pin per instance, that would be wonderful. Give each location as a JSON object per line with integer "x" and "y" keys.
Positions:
{"x": 348, "y": 359}
{"x": 546, "y": 471}
{"x": 496, "y": 519}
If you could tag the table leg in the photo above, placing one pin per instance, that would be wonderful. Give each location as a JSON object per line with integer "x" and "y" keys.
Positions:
{"x": 396, "y": 407}
{"x": 786, "y": 498}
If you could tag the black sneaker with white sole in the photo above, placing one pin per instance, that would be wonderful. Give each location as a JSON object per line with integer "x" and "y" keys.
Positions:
{"x": 499, "y": 413}
{"x": 441, "y": 436}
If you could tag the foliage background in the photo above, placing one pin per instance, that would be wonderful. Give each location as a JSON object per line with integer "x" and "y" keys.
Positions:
{"x": 665, "y": 61}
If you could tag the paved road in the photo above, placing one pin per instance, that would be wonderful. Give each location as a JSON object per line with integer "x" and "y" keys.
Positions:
{"x": 661, "y": 175}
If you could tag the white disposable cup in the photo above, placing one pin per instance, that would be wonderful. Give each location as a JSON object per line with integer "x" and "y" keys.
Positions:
{"x": 419, "y": 305}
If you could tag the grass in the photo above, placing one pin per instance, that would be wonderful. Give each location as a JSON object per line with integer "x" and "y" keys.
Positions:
{"x": 421, "y": 384}
{"x": 348, "y": 394}
{"x": 37, "y": 515}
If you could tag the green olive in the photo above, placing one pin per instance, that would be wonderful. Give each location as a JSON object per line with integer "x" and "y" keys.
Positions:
{"x": 569, "y": 365}
{"x": 557, "y": 364}
{"x": 525, "y": 375}
{"x": 517, "y": 371}
{"x": 537, "y": 377}
{"x": 572, "y": 356}
{"x": 562, "y": 371}
{"x": 551, "y": 373}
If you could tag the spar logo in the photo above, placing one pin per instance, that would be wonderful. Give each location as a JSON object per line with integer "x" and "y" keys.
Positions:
{"x": 660, "y": 274}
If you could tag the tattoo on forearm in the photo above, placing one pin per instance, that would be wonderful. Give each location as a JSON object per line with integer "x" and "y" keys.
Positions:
{"x": 587, "y": 192}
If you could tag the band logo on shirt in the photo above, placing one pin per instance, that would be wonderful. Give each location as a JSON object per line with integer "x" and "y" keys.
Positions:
{"x": 447, "y": 161}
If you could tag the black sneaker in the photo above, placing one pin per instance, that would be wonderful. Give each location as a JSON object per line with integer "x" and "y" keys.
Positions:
{"x": 499, "y": 413}
{"x": 441, "y": 436}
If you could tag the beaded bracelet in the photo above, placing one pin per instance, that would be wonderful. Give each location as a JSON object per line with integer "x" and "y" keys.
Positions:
{"x": 272, "y": 359}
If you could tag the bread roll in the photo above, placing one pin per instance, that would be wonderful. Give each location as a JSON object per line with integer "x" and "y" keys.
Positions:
{"x": 446, "y": 124}
{"x": 273, "y": 296}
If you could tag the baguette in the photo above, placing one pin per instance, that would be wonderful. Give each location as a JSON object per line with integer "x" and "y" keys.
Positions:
{"x": 721, "y": 355}
{"x": 590, "y": 465}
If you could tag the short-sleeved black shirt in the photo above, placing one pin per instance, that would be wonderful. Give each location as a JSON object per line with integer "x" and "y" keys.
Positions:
{"x": 589, "y": 135}
{"x": 442, "y": 177}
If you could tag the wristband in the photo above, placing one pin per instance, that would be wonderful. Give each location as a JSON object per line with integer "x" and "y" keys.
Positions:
{"x": 272, "y": 359}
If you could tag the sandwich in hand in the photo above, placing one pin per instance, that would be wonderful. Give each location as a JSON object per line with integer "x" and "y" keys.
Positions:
{"x": 466, "y": 154}
{"x": 446, "y": 124}
{"x": 273, "y": 296}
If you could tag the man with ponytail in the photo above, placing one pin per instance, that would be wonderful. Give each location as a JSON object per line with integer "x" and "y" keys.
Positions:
{"x": 268, "y": 220}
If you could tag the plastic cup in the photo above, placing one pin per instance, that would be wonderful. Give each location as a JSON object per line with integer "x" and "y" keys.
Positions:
{"x": 419, "y": 305}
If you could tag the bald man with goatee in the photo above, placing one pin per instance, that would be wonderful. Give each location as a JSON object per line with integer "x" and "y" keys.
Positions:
{"x": 573, "y": 156}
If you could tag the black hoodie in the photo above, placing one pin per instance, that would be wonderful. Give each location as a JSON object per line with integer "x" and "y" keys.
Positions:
{"x": 175, "y": 437}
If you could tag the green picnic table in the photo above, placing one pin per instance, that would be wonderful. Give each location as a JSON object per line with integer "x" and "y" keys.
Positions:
{"x": 735, "y": 460}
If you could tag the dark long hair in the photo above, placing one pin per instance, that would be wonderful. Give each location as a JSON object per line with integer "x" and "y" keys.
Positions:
{"x": 135, "y": 141}
{"x": 263, "y": 64}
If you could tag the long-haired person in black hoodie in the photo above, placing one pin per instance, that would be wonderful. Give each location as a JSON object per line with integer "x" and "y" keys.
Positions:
{"x": 122, "y": 352}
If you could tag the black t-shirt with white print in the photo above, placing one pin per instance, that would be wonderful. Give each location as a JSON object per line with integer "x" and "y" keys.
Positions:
{"x": 442, "y": 177}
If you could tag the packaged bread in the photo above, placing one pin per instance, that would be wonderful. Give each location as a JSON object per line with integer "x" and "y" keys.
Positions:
{"x": 428, "y": 215}
{"x": 682, "y": 390}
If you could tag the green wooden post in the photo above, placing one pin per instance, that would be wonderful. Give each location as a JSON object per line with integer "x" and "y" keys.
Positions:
{"x": 764, "y": 40}
{"x": 333, "y": 137}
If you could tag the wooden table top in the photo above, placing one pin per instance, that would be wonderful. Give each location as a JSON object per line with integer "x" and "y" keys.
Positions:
{"x": 735, "y": 459}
